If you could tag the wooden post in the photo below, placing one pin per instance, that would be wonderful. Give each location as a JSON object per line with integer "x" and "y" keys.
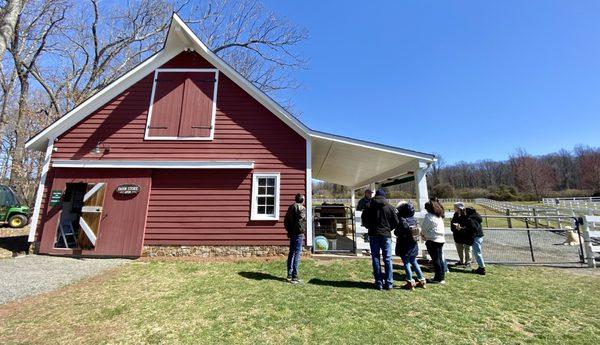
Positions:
{"x": 537, "y": 222}
{"x": 508, "y": 220}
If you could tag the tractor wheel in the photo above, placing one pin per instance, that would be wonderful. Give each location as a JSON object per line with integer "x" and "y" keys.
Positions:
{"x": 17, "y": 221}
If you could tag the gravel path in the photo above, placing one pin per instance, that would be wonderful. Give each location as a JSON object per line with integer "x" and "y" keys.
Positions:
{"x": 35, "y": 274}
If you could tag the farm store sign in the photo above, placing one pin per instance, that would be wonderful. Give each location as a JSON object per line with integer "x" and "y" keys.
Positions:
{"x": 55, "y": 197}
{"x": 128, "y": 189}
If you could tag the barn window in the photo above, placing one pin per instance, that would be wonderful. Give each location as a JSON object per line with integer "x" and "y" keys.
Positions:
{"x": 182, "y": 105}
{"x": 265, "y": 196}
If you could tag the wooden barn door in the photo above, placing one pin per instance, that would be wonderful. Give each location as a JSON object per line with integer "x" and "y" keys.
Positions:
{"x": 91, "y": 213}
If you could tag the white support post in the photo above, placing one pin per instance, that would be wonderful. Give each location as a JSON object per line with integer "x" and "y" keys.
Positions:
{"x": 421, "y": 185}
{"x": 40, "y": 192}
{"x": 353, "y": 199}
{"x": 309, "y": 208}
{"x": 588, "y": 245}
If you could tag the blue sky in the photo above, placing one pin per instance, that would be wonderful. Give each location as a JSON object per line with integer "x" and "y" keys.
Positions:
{"x": 468, "y": 80}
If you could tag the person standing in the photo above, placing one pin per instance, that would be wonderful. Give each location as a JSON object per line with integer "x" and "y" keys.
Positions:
{"x": 364, "y": 201}
{"x": 475, "y": 230}
{"x": 433, "y": 230}
{"x": 380, "y": 218}
{"x": 407, "y": 246}
{"x": 295, "y": 226}
{"x": 462, "y": 238}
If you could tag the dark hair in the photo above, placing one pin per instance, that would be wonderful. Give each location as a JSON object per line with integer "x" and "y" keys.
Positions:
{"x": 435, "y": 207}
{"x": 470, "y": 210}
{"x": 299, "y": 198}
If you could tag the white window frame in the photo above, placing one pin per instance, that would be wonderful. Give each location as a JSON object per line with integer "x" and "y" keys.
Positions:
{"x": 214, "y": 105}
{"x": 254, "y": 204}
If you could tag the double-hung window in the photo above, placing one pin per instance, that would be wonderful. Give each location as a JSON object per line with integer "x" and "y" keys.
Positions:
{"x": 183, "y": 104}
{"x": 265, "y": 196}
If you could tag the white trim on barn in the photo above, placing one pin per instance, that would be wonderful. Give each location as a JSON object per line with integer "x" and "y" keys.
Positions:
{"x": 107, "y": 164}
{"x": 213, "y": 111}
{"x": 40, "y": 192}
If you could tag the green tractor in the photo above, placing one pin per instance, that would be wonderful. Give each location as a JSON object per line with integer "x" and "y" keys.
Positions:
{"x": 13, "y": 210}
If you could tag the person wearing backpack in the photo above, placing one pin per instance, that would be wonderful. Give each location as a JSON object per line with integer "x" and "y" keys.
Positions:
{"x": 407, "y": 247}
{"x": 380, "y": 219}
{"x": 295, "y": 226}
{"x": 475, "y": 230}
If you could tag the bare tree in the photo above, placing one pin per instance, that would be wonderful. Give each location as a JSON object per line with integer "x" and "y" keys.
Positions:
{"x": 33, "y": 30}
{"x": 589, "y": 167}
{"x": 531, "y": 173}
{"x": 8, "y": 20}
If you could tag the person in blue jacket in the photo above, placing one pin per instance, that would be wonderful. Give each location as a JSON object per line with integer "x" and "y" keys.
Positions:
{"x": 407, "y": 246}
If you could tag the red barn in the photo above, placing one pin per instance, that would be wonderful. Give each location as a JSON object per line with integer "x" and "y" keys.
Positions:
{"x": 183, "y": 152}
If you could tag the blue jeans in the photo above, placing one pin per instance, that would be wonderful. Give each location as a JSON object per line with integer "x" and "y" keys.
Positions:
{"x": 382, "y": 245}
{"x": 436, "y": 252}
{"x": 408, "y": 261}
{"x": 293, "y": 260}
{"x": 477, "y": 243}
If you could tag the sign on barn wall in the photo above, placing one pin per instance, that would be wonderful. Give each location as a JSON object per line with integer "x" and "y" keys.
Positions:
{"x": 128, "y": 189}
{"x": 55, "y": 197}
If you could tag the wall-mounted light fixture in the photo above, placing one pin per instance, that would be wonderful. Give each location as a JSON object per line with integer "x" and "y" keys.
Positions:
{"x": 100, "y": 149}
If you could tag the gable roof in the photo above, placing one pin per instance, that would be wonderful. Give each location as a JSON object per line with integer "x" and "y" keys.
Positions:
{"x": 180, "y": 38}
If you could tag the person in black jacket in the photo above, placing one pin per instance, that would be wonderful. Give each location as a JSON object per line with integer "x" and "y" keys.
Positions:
{"x": 295, "y": 225}
{"x": 407, "y": 246}
{"x": 475, "y": 230}
{"x": 462, "y": 238}
{"x": 380, "y": 218}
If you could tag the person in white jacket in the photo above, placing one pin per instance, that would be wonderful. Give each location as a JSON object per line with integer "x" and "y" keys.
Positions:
{"x": 433, "y": 230}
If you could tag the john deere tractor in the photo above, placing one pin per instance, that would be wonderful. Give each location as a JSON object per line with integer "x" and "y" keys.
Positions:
{"x": 13, "y": 210}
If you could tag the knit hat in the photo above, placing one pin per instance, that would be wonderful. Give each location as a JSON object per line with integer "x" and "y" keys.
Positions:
{"x": 380, "y": 192}
{"x": 459, "y": 205}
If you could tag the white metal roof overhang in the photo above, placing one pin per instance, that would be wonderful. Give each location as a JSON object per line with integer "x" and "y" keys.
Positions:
{"x": 357, "y": 163}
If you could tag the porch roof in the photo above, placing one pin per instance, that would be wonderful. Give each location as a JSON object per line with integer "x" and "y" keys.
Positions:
{"x": 357, "y": 163}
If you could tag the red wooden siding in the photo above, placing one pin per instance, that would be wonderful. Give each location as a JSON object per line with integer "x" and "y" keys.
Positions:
{"x": 122, "y": 222}
{"x": 211, "y": 207}
{"x": 166, "y": 108}
{"x": 214, "y": 211}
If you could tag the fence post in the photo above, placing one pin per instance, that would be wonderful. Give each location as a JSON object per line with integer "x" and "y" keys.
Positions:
{"x": 536, "y": 221}
{"x": 509, "y": 220}
{"x": 530, "y": 243}
{"x": 587, "y": 244}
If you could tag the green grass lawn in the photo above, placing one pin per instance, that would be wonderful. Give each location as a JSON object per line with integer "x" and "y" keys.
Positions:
{"x": 249, "y": 303}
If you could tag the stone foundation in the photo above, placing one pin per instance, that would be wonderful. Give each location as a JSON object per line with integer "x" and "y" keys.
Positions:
{"x": 216, "y": 251}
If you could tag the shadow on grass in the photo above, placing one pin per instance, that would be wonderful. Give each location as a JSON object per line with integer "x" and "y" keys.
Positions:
{"x": 459, "y": 270}
{"x": 342, "y": 283}
{"x": 260, "y": 276}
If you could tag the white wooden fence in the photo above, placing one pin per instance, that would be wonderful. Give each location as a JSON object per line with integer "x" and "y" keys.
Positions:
{"x": 591, "y": 239}
{"x": 552, "y": 214}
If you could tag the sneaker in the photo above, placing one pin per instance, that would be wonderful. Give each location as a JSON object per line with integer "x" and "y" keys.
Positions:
{"x": 379, "y": 287}
{"x": 295, "y": 280}
{"x": 479, "y": 270}
{"x": 410, "y": 285}
{"x": 388, "y": 287}
{"x": 420, "y": 284}
{"x": 433, "y": 281}
{"x": 288, "y": 279}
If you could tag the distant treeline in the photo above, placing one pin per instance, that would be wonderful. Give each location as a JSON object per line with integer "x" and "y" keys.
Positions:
{"x": 521, "y": 177}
